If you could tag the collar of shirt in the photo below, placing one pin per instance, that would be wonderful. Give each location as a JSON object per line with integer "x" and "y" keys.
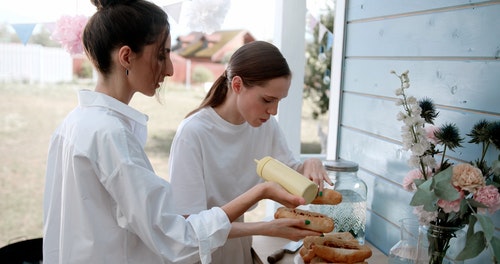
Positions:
{"x": 92, "y": 98}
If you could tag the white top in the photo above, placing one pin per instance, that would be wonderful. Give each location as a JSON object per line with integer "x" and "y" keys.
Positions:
{"x": 212, "y": 162}
{"x": 103, "y": 202}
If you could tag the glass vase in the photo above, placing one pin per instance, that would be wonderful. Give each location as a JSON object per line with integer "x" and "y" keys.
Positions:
{"x": 440, "y": 244}
{"x": 405, "y": 250}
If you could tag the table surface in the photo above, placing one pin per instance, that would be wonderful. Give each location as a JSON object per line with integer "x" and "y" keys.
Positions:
{"x": 265, "y": 246}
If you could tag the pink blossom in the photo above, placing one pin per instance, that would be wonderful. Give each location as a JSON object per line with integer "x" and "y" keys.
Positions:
{"x": 69, "y": 31}
{"x": 424, "y": 217}
{"x": 489, "y": 196}
{"x": 451, "y": 206}
{"x": 430, "y": 133}
{"x": 411, "y": 176}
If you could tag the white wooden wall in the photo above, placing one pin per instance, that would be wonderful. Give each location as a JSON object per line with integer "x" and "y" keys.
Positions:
{"x": 451, "y": 49}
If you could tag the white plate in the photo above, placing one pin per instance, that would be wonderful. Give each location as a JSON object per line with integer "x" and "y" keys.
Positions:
{"x": 298, "y": 259}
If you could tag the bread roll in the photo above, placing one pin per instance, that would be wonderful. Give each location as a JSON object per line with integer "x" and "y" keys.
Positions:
{"x": 318, "y": 222}
{"x": 328, "y": 196}
{"x": 334, "y": 248}
{"x": 342, "y": 255}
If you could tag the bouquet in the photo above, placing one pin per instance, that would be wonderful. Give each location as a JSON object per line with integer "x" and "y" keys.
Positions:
{"x": 448, "y": 194}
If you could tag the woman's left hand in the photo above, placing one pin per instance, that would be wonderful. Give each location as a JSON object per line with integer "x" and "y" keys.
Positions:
{"x": 314, "y": 170}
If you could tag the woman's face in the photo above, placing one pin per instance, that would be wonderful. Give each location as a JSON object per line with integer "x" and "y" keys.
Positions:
{"x": 154, "y": 64}
{"x": 256, "y": 104}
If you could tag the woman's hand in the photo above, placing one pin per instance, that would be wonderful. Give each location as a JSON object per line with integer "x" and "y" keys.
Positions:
{"x": 276, "y": 192}
{"x": 266, "y": 190}
{"x": 293, "y": 229}
{"x": 314, "y": 170}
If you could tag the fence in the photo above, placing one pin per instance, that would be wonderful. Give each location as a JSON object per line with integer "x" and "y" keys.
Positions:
{"x": 34, "y": 64}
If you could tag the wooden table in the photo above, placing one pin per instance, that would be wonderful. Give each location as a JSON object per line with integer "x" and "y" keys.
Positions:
{"x": 265, "y": 246}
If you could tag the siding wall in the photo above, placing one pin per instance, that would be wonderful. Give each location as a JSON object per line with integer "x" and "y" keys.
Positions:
{"x": 451, "y": 49}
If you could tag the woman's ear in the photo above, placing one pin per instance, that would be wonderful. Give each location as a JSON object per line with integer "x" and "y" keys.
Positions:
{"x": 125, "y": 56}
{"x": 236, "y": 84}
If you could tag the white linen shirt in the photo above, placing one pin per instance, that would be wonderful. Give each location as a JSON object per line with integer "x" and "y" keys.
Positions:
{"x": 103, "y": 202}
{"x": 212, "y": 162}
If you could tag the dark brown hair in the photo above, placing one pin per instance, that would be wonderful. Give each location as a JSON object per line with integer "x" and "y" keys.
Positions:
{"x": 134, "y": 23}
{"x": 255, "y": 63}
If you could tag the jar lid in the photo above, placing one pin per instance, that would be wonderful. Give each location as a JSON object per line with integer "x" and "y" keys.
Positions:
{"x": 340, "y": 165}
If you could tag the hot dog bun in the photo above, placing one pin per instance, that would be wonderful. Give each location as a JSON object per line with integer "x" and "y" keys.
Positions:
{"x": 334, "y": 248}
{"x": 328, "y": 196}
{"x": 318, "y": 222}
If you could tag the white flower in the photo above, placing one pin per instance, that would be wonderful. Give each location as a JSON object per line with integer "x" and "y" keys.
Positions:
{"x": 419, "y": 148}
{"x": 429, "y": 161}
{"x": 414, "y": 161}
{"x": 411, "y": 100}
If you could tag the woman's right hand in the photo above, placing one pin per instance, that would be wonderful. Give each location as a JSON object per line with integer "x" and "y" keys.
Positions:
{"x": 276, "y": 192}
{"x": 266, "y": 190}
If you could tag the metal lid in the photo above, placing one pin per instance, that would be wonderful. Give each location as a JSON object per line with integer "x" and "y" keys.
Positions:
{"x": 340, "y": 165}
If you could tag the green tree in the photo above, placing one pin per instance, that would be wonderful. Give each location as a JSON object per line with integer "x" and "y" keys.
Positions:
{"x": 43, "y": 38}
{"x": 7, "y": 36}
{"x": 318, "y": 65}
{"x": 202, "y": 74}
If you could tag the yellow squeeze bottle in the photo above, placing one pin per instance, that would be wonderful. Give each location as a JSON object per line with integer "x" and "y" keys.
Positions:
{"x": 271, "y": 169}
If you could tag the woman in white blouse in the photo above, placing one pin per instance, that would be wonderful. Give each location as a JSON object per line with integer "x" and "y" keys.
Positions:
{"x": 214, "y": 149}
{"x": 103, "y": 202}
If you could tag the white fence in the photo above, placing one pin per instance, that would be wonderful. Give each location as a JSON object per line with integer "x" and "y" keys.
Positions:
{"x": 34, "y": 64}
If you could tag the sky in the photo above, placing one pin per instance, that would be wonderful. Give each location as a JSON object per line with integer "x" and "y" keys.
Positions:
{"x": 257, "y": 16}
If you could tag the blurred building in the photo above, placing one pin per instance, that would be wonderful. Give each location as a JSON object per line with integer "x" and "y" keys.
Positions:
{"x": 209, "y": 51}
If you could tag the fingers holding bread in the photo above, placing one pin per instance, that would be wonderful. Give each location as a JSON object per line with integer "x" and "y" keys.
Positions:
{"x": 317, "y": 222}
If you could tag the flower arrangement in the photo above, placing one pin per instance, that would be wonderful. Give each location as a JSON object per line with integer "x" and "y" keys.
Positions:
{"x": 447, "y": 194}
{"x": 69, "y": 31}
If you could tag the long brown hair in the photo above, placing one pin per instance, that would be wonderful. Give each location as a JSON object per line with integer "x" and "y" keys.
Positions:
{"x": 255, "y": 63}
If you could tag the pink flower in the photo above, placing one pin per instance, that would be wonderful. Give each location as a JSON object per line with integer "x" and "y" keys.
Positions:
{"x": 424, "y": 217}
{"x": 451, "y": 206}
{"x": 467, "y": 177}
{"x": 411, "y": 176}
{"x": 430, "y": 131}
{"x": 69, "y": 31}
{"x": 489, "y": 196}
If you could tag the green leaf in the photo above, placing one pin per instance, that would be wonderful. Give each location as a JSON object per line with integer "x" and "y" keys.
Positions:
{"x": 473, "y": 246}
{"x": 476, "y": 204}
{"x": 486, "y": 225}
{"x": 495, "y": 247}
{"x": 425, "y": 198}
{"x": 442, "y": 185}
{"x": 418, "y": 182}
{"x": 472, "y": 223}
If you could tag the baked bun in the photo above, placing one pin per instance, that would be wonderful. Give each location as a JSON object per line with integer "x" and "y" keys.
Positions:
{"x": 328, "y": 196}
{"x": 334, "y": 248}
{"x": 318, "y": 222}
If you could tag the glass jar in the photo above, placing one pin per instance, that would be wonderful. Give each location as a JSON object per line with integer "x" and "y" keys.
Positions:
{"x": 405, "y": 250}
{"x": 350, "y": 214}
